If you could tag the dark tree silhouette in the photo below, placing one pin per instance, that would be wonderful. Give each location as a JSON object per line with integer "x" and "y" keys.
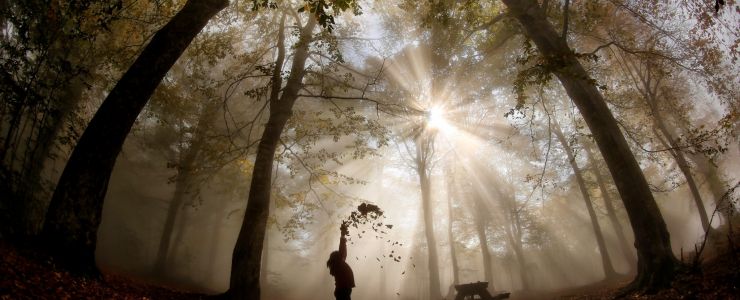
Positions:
{"x": 246, "y": 262}
{"x": 72, "y": 220}
{"x": 656, "y": 263}
{"x": 606, "y": 262}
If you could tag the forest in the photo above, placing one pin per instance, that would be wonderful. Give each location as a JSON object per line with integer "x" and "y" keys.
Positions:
{"x": 383, "y": 149}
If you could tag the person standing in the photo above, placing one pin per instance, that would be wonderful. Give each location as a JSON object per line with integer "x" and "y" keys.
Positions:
{"x": 344, "y": 279}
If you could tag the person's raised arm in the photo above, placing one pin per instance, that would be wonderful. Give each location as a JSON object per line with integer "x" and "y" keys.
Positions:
{"x": 343, "y": 242}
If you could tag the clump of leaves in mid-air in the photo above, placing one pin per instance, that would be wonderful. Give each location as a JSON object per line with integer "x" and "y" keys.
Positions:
{"x": 371, "y": 214}
{"x": 367, "y": 214}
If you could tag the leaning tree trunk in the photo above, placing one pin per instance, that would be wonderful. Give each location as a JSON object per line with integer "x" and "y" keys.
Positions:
{"x": 717, "y": 185}
{"x": 650, "y": 84}
{"x": 609, "y": 204}
{"x": 73, "y": 217}
{"x": 683, "y": 165}
{"x": 245, "y": 264}
{"x": 656, "y": 263}
{"x": 605, "y": 261}
{"x": 480, "y": 228}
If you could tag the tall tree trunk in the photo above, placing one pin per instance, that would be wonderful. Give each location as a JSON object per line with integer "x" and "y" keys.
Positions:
{"x": 422, "y": 169}
{"x": 678, "y": 155}
{"x": 73, "y": 216}
{"x": 480, "y": 228}
{"x": 523, "y": 273}
{"x": 683, "y": 165}
{"x": 648, "y": 84}
{"x": 214, "y": 243}
{"x": 717, "y": 185}
{"x": 245, "y": 265}
{"x": 13, "y": 124}
{"x": 609, "y": 205}
{"x": 515, "y": 239}
{"x": 656, "y": 263}
{"x": 425, "y": 149}
{"x": 265, "y": 258}
{"x": 32, "y": 174}
{"x": 514, "y": 235}
{"x": 186, "y": 171}
{"x": 182, "y": 184}
{"x": 186, "y": 218}
{"x": 451, "y": 193}
{"x": 605, "y": 261}
{"x": 58, "y": 97}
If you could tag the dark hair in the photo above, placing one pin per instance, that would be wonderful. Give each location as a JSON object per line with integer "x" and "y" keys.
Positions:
{"x": 332, "y": 262}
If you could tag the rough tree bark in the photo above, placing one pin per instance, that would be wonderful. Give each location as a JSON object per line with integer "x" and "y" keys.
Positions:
{"x": 245, "y": 264}
{"x": 605, "y": 260}
{"x": 656, "y": 263}
{"x": 74, "y": 213}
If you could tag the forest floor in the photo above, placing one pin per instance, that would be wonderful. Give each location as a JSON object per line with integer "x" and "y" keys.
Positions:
{"x": 716, "y": 276}
{"x": 27, "y": 272}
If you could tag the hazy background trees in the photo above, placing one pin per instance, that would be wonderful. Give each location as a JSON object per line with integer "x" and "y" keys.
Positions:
{"x": 444, "y": 113}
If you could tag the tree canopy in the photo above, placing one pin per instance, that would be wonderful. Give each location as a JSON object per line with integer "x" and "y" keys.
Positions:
{"x": 536, "y": 145}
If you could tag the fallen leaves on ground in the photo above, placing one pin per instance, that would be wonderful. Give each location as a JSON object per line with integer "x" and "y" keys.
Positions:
{"x": 27, "y": 273}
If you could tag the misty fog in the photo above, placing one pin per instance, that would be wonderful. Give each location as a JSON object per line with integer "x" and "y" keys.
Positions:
{"x": 444, "y": 114}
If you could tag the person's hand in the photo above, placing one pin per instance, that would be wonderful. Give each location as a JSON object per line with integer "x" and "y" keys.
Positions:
{"x": 343, "y": 229}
